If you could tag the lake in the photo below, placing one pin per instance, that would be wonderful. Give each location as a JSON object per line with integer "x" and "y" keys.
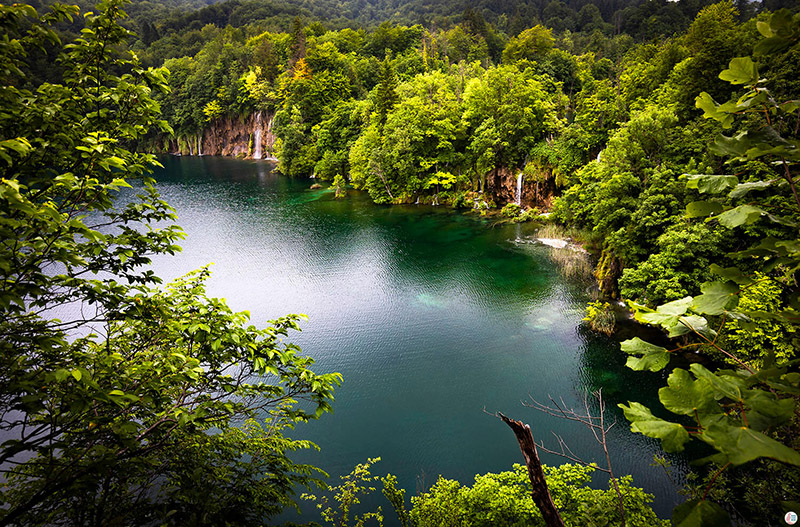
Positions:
{"x": 430, "y": 315}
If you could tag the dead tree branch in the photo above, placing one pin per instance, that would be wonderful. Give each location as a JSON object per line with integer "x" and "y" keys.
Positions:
{"x": 540, "y": 493}
{"x": 595, "y": 423}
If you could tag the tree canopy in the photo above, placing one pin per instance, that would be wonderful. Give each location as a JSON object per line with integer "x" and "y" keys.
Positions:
{"x": 122, "y": 401}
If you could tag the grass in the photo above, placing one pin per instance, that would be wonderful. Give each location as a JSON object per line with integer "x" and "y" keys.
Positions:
{"x": 572, "y": 263}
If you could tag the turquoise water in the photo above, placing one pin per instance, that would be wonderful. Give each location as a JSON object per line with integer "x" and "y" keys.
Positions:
{"x": 430, "y": 316}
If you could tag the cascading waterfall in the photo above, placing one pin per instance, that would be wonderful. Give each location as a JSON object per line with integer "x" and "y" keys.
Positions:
{"x": 518, "y": 197}
{"x": 200, "y": 145}
{"x": 257, "y": 137}
{"x": 269, "y": 131}
{"x": 189, "y": 144}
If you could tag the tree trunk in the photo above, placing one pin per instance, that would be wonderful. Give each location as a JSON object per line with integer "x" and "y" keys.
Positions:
{"x": 541, "y": 494}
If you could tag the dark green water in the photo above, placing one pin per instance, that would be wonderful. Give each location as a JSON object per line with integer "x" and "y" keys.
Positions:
{"x": 430, "y": 316}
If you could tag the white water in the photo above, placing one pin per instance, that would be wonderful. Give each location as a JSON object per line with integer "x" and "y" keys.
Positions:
{"x": 200, "y": 144}
{"x": 518, "y": 197}
{"x": 189, "y": 144}
{"x": 553, "y": 242}
{"x": 257, "y": 139}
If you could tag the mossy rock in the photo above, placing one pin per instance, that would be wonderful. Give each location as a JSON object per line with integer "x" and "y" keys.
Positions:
{"x": 607, "y": 273}
{"x": 316, "y": 186}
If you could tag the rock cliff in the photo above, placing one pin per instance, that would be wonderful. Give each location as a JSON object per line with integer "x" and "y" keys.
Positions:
{"x": 249, "y": 137}
{"x": 537, "y": 190}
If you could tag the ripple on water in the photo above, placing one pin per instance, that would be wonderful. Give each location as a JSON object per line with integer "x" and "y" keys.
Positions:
{"x": 430, "y": 317}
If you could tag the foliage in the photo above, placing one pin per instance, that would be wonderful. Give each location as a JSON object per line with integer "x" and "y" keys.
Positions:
{"x": 759, "y": 340}
{"x": 339, "y": 186}
{"x": 111, "y": 385}
{"x": 346, "y": 496}
{"x": 674, "y": 270}
{"x": 213, "y": 110}
{"x": 508, "y": 111}
{"x": 600, "y": 316}
{"x": 531, "y": 44}
{"x": 528, "y": 215}
{"x": 505, "y": 499}
{"x": 396, "y": 498}
{"x": 734, "y": 411}
{"x": 510, "y": 210}
{"x": 386, "y": 92}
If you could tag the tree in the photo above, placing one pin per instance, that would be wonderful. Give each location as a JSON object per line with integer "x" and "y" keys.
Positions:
{"x": 736, "y": 412}
{"x": 532, "y": 44}
{"x": 386, "y": 92}
{"x": 507, "y": 112}
{"x": 339, "y": 186}
{"x": 297, "y": 42}
{"x": 505, "y": 499}
{"x": 422, "y": 134}
{"x": 123, "y": 409}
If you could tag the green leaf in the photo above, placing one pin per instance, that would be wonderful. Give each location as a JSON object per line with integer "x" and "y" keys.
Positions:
{"x": 764, "y": 29}
{"x": 733, "y": 274}
{"x": 717, "y": 297}
{"x": 20, "y": 145}
{"x": 690, "y": 324}
{"x": 766, "y": 410}
{"x": 724, "y": 385}
{"x": 651, "y": 361}
{"x": 676, "y": 307}
{"x": 685, "y": 396}
{"x": 741, "y": 215}
{"x": 736, "y": 146}
{"x": 741, "y": 444}
{"x": 711, "y": 110}
{"x": 699, "y": 209}
{"x": 654, "y": 358}
{"x": 772, "y": 45}
{"x": 77, "y": 374}
{"x": 712, "y": 184}
{"x": 659, "y": 319}
{"x": 672, "y": 435}
{"x": 741, "y": 70}
{"x": 700, "y": 513}
{"x": 667, "y": 315}
{"x": 743, "y": 188}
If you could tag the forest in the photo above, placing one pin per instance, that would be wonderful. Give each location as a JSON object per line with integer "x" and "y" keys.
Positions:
{"x": 661, "y": 136}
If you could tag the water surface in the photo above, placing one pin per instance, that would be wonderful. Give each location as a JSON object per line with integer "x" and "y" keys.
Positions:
{"x": 430, "y": 316}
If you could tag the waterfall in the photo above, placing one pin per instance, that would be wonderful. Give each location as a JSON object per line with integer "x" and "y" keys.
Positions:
{"x": 598, "y": 155}
{"x": 200, "y": 144}
{"x": 518, "y": 196}
{"x": 189, "y": 144}
{"x": 257, "y": 137}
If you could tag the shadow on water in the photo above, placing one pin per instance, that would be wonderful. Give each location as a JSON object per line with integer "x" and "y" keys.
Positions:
{"x": 429, "y": 315}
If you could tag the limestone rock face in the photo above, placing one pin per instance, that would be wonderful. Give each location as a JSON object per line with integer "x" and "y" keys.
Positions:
{"x": 534, "y": 191}
{"x": 250, "y": 137}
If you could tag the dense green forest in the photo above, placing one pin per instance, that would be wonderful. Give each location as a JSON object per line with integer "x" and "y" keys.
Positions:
{"x": 664, "y": 136}
{"x": 413, "y": 114}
